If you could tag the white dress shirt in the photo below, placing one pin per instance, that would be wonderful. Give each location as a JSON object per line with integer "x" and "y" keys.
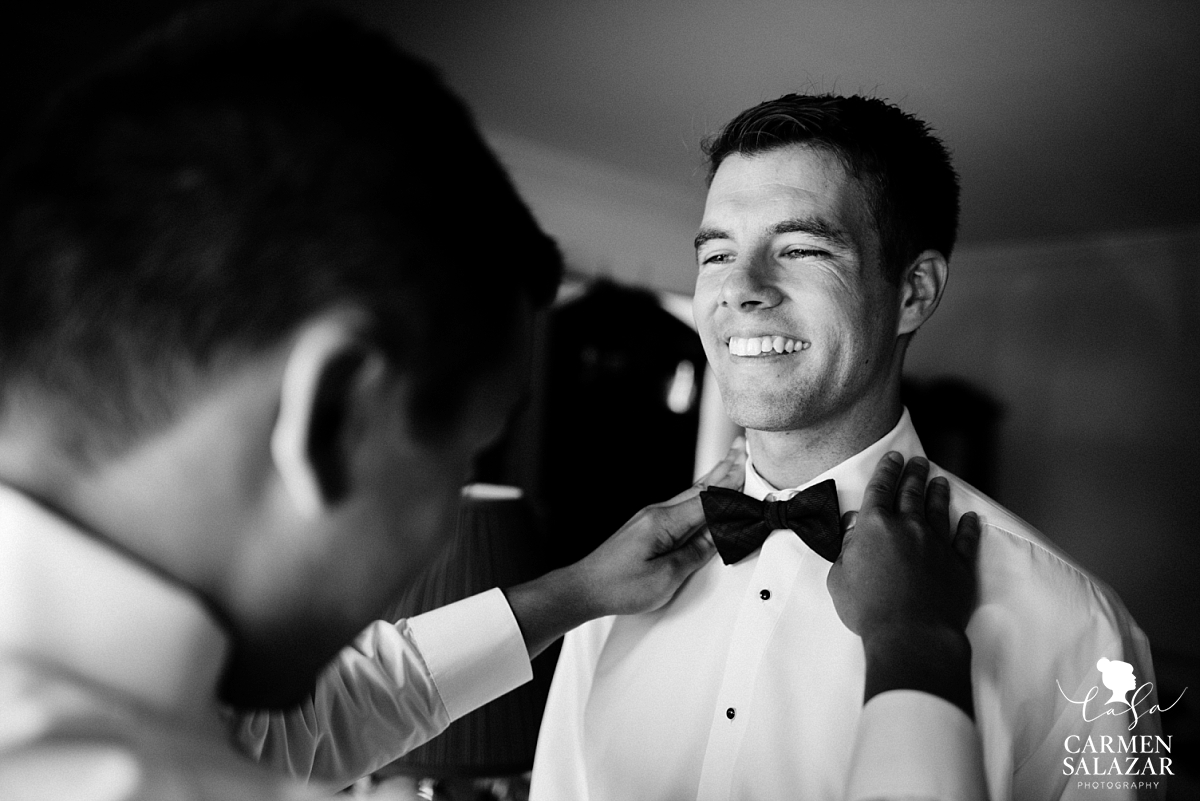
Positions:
{"x": 398, "y": 686}
{"x": 747, "y": 685}
{"x": 108, "y": 675}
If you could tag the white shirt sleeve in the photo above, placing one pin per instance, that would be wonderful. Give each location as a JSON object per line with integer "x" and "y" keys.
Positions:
{"x": 395, "y": 687}
{"x": 913, "y": 745}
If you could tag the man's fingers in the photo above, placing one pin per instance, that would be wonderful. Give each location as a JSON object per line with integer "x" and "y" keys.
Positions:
{"x": 937, "y": 507}
{"x": 849, "y": 520}
{"x": 911, "y": 500}
{"x": 694, "y": 553}
{"x": 881, "y": 489}
{"x": 729, "y": 468}
{"x": 966, "y": 541}
{"x": 730, "y": 473}
{"x": 677, "y": 522}
{"x": 689, "y": 493}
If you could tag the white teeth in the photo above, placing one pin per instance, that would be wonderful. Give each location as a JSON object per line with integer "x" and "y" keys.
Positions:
{"x": 765, "y": 345}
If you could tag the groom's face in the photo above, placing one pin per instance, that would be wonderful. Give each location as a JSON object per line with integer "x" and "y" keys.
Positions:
{"x": 796, "y": 317}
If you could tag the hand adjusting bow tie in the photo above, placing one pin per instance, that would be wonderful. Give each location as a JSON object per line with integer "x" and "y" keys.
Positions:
{"x": 740, "y": 524}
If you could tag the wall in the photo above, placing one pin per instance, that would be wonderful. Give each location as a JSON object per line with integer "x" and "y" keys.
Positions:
{"x": 1091, "y": 345}
{"x": 609, "y": 222}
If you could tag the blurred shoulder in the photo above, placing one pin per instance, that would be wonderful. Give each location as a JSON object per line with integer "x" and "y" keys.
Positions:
{"x": 61, "y": 738}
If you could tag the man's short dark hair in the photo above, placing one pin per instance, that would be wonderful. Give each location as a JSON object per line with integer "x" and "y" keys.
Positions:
{"x": 910, "y": 183}
{"x": 237, "y": 173}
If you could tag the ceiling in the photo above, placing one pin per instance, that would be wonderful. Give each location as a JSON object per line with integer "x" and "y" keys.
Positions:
{"x": 1066, "y": 117}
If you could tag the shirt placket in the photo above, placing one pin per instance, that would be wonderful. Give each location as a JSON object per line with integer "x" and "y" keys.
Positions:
{"x": 759, "y": 612}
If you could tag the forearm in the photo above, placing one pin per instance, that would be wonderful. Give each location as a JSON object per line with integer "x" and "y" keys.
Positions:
{"x": 397, "y": 686}
{"x": 934, "y": 661}
{"x": 911, "y": 745}
{"x": 551, "y": 605}
{"x": 373, "y": 703}
{"x": 636, "y": 570}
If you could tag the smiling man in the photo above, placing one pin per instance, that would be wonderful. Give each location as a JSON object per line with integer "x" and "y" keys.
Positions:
{"x": 796, "y": 314}
{"x": 824, "y": 247}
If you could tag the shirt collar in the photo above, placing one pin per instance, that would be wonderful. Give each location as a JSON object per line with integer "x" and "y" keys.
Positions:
{"x": 851, "y": 475}
{"x": 70, "y": 601}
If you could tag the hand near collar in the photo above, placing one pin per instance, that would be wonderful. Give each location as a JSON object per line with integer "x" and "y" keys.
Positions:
{"x": 637, "y": 569}
{"x": 905, "y": 582}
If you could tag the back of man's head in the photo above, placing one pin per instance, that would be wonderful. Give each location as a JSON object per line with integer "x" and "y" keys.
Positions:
{"x": 232, "y": 176}
{"x": 905, "y": 169}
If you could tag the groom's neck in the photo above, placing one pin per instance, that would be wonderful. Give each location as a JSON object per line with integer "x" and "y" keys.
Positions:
{"x": 791, "y": 458}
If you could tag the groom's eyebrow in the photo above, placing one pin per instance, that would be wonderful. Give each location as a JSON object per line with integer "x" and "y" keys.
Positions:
{"x": 817, "y": 227}
{"x": 707, "y": 235}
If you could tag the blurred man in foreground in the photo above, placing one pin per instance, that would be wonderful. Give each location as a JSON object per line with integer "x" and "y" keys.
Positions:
{"x": 264, "y": 294}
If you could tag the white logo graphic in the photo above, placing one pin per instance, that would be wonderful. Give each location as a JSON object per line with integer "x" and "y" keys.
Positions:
{"x": 1118, "y": 677}
{"x": 1107, "y": 760}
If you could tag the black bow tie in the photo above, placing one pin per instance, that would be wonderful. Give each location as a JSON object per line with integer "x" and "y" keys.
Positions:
{"x": 740, "y": 524}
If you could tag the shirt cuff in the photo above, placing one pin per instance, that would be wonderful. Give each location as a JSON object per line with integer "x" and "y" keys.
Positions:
{"x": 912, "y": 744}
{"x": 474, "y": 651}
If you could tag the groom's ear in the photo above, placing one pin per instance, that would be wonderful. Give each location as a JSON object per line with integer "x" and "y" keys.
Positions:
{"x": 331, "y": 387}
{"x": 921, "y": 289}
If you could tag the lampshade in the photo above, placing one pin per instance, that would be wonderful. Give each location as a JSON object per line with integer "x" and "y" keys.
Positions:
{"x": 496, "y": 545}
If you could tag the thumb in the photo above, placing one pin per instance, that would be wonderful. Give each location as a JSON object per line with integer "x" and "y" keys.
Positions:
{"x": 849, "y": 523}
{"x": 677, "y": 522}
{"x": 966, "y": 540}
{"x": 693, "y": 554}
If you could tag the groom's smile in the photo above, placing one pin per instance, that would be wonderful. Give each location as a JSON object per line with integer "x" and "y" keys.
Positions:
{"x": 765, "y": 345}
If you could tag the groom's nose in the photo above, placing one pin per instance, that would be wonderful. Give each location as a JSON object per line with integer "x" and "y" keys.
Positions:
{"x": 750, "y": 285}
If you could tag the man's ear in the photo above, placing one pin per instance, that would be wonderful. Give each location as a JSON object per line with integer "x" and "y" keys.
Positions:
{"x": 921, "y": 290}
{"x": 327, "y": 367}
